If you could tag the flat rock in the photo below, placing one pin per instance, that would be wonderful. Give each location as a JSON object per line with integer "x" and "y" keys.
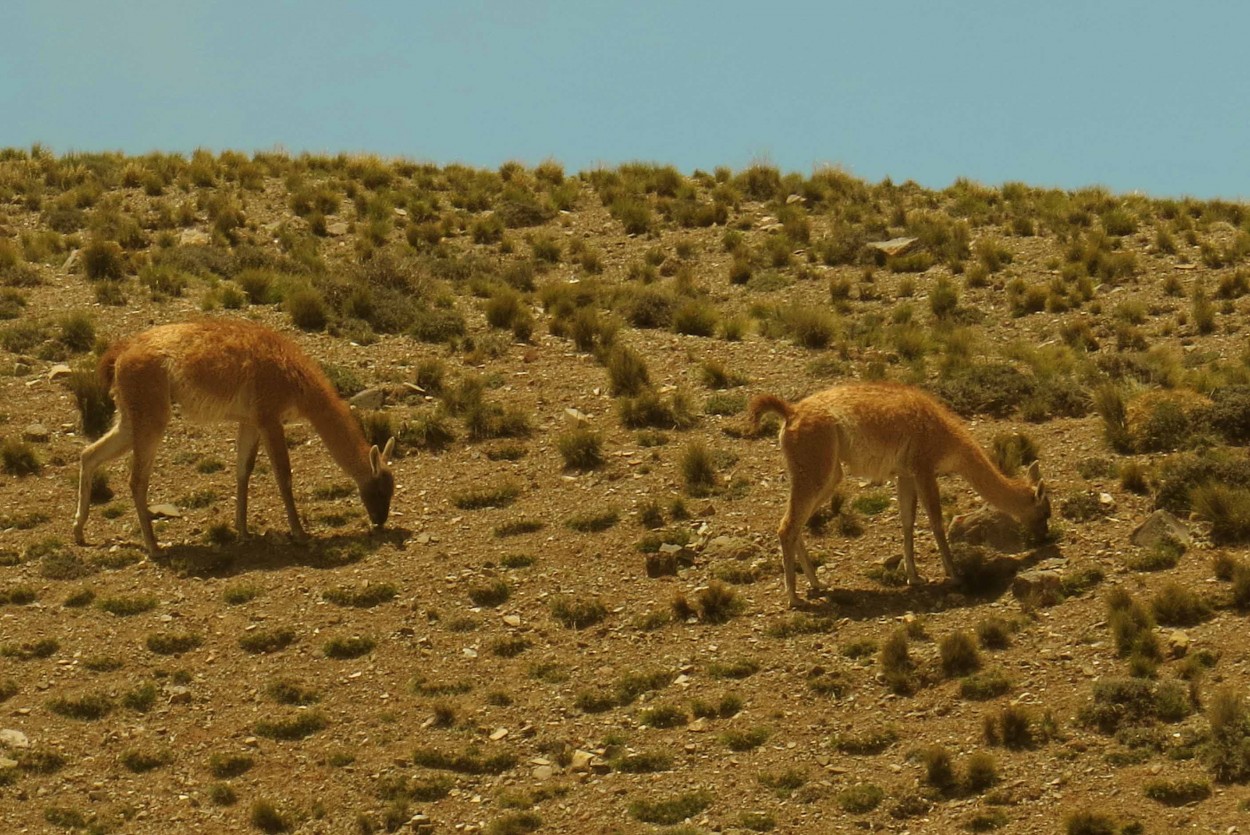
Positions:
{"x": 165, "y": 511}
{"x": 1038, "y": 584}
{"x": 36, "y": 433}
{"x": 1178, "y": 644}
{"x": 370, "y": 398}
{"x": 13, "y": 739}
{"x": 336, "y": 229}
{"x": 59, "y": 372}
{"x": 194, "y": 237}
{"x": 1159, "y": 527}
{"x": 544, "y": 772}
{"x": 894, "y": 246}
{"x": 6, "y": 763}
{"x": 991, "y": 528}
{"x": 730, "y": 547}
{"x": 421, "y": 824}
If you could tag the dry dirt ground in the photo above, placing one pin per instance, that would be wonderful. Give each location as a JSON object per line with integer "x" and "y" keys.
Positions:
{"x": 478, "y": 715}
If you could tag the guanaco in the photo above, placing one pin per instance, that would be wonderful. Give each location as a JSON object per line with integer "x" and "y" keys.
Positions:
{"x": 880, "y": 431}
{"x": 227, "y": 370}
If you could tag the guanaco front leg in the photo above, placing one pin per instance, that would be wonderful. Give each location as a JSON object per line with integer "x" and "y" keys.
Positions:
{"x": 931, "y": 499}
{"x": 275, "y": 447}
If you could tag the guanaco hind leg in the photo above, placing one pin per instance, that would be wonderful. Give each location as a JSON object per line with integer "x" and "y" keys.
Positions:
{"x": 113, "y": 444}
{"x": 907, "y": 516}
{"x": 813, "y": 478}
{"x": 248, "y": 443}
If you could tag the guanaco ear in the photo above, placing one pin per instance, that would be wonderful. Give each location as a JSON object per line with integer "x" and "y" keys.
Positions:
{"x": 378, "y": 459}
{"x": 388, "y": 450}
{"x": 1035, "y": 473}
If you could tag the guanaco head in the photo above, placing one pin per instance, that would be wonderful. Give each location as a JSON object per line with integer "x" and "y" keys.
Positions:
{"x": 377, "y": 490}
{"x": 1036, "y": 520}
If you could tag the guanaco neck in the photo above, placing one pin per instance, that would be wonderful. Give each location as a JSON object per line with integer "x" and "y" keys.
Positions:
{"x": 1012, "y": 496}
{"x": 333, "y": 421}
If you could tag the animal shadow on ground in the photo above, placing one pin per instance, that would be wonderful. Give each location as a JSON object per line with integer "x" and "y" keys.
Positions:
{"x": 984, "y": 577}
{"x": 273, "y": 552}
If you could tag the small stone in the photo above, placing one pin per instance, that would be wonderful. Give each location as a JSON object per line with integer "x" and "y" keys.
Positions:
{"x": 421, "y": 824}
{"x": 544, "y": 772}
{"x": 165, "y": 511}
{"x": 498, "y": 734}
{"x": 581, "y": 760}
{"x": 1159, "y": 527}
{"x": 512, "y": 620}
{"x": 13, "y": 739}
{"x": 990, "y": 527}
{"x": 336, "y": 229}
{"x": 1178, "y": 644}
{"x": 730, "y": 547}
{"x": 5, "y": 762}
{"x": 1042, "y": 585}
{"x": 370, "y": 399}
{"x": 194, "y": 237}
{"x": 59, "y": 371}
{"x": 894, "y": 246}
{"x": 36, "y": 433}
{"x": 178, "y": 695}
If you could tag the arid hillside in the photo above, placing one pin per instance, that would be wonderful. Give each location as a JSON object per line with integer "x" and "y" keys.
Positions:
{"x": 575, "y": 621}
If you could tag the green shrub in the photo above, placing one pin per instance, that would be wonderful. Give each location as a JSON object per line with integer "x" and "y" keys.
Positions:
{"x": 307, "y": 309}
{"x": 226, "y": 766}
{"x": 698, "y": 469}
{"x": 867, "y": 742}
{"x": 95, "y": 406}
{"x": 365, "y": 596}
{"x": 19, "y": 458}
{"x": 860, "y": 798}
{"x": 102, "y": 259}
{"x": 959, "y": 654}
{"x": 489, "y": 593}
{"x": 263, "y": 641}
{"x": 173, "y": 643}
{"x": 593, "y": 521}
{"x": 291, "y": 727}
{"x": 582, "y": 449}
{"x": 1175, "y": 605}
{"x": 577, "y": 613}
{"x": 348, "y": 648}
{"x": 672, "y": 810}
{"x": 501, "y": 494}
{"x": 896, "y": 664}
{"x": 987, "y": 684}
{"x": 1180, "y": 792}
{"x": 268, "y": 818}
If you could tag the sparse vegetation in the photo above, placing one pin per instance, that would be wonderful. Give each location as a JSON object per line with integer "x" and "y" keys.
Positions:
{"x": 568, "y": 403}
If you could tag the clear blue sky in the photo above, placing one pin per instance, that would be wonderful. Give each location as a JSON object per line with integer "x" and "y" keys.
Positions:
{"x": 1143, "y": 95}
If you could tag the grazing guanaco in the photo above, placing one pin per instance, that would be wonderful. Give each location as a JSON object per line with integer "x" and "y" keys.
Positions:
{"x": 227, "y": 370}
{"x": 881, "y": 431}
